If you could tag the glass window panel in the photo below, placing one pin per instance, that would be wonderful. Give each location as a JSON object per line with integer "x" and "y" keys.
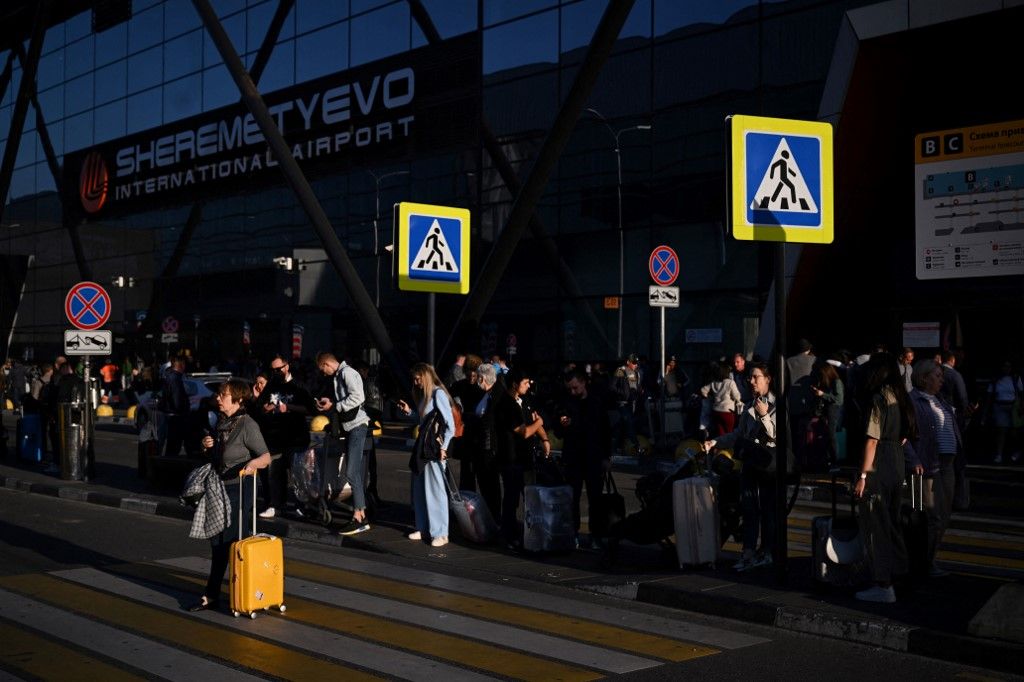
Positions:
{"x": 78, "y": 26}
{"x": 380, "y": 34}
{"x": 716, "y": 62}
{"x": 23, "y": 183}
{"x": 145, "y": 110}
{"x": 501, "y": 10}
{"x": 322, "y": 52}
{"x": 218, "y": 88}
{"x": 52, "y": 103}
{"x": 225, "y": 7}
{"x": 452, "y": 17}
{"x": 182, "y": 98}
{"x": 56, "y": 132}
{"x": 180, "y": 16}
{"x": 638, "y": 23}
{"x": 112, "y": 44}
{"x": 138, "y": 5}
{"x": 183, "y": 55}
{"x": 78, "y": 131}
{"x": 44, "y": 179}
{"x": 313, "y": 14}
{"x": 235, "y": 28}
{"x": 256, "y": 23}
{"x": 579, "y": 21}
{"x": 145, "y": 29}
{"x": 280, "y": 71}
{"x": 525, "y": 104}
{"x": 359, "y": 6}
{"x": 672, "y": 14}
{"x": 26, "y": 149}
{"x": 50, "y": 71}
{"x": 8, "y": 97}
{"x": 145, "y": 69}
{"x": 112, "y": 82}
{"x": 53, "y": 40}
{"x": 110, "y": 121}
{"x": 532, "y": 41}
{"x": 78, "y": 57}
{"x": 78, "y": 95}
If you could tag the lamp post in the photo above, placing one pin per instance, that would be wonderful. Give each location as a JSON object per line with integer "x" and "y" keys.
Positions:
{"x": 376, "y": 233}
{"x": 622, "y": 246}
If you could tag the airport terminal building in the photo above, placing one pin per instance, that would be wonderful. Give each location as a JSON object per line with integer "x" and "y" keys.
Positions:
{"x": 580, "y": 135}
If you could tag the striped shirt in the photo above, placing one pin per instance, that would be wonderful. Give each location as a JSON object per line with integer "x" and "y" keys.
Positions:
{"x": 945, "y": 436}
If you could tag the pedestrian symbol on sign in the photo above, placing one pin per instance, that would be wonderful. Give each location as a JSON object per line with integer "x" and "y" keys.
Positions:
{"x": 434, "y": 254}
{"x": 784, "y": 174}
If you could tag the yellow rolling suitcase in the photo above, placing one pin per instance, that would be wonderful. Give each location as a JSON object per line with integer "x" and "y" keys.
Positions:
{"x": 257, "y": 568}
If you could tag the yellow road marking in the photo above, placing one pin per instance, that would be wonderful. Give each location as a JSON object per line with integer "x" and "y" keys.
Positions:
{"x": 48, "y": 660}
{"x": 981, "y": 559}
{"x": 608, "y": 636}
{"x": 417, "y": 639}
{"x": 189, "y": 633}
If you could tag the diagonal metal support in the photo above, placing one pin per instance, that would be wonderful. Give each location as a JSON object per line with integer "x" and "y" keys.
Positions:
{"x": 28, "y": 83}
{"x": 566, "y": 278}
{"x": 607, "y": 33}
{"x": 84, "y": 269}
{"x": 303, "y": 192}
{"x": 194, "y": 216}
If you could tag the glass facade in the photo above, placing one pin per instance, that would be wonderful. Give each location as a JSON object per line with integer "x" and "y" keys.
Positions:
{"x": 678, "y": 67}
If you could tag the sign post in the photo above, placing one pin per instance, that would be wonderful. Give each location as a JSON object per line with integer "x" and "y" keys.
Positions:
{"x": 780, "y": 189}
{"x": 433, "y": 254}
{"x": 87, "y": 307}
{"x": 664, "y": 268}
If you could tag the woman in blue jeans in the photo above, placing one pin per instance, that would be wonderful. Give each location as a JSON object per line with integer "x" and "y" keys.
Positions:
{"x": 429, "y": 496}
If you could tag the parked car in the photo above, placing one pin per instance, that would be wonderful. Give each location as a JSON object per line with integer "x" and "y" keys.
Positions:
{"x": 200, "y": 388}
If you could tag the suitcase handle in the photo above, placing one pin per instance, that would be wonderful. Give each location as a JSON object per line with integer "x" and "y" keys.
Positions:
{"x": 917, "y": 492}
{"x": 241, "y": 501}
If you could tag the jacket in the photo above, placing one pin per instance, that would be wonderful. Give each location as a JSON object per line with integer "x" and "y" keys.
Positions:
{"x": 213, "y": 509}
{"x": 924, "y": 450}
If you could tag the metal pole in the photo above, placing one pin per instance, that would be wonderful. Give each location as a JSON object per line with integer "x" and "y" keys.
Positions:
{"x": 622, "y": 244}
{"x": 781, "y": 553}
{"x": 87, "y": 423}
{"x": 431, "y": 319}
{"x": 525, "y": 203}
{"x": 663, "y": 345}
{"x": 303, "y": 192}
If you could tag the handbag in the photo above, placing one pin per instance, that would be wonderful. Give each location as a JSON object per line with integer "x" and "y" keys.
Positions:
{"x": 607, "y": 509}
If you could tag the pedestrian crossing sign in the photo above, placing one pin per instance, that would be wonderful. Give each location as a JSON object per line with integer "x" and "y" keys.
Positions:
{"x": 780, "y": 180}
{"x": 433, "y": 248}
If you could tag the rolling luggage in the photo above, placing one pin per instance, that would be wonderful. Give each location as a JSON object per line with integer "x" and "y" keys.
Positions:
{"x": 837, "y": 552}
{"x": 469, "y": 511}
{"x": 914, "y": 523}
{"x": 695, "y": 513}
{"x": 257, "y": 568}
{"x": 547, "y": 519}
{"x": 30, "y": 438}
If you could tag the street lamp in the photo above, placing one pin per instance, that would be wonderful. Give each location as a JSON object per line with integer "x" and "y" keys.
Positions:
{"x": 618, "y": 164}
{"x": 376, "y": 233}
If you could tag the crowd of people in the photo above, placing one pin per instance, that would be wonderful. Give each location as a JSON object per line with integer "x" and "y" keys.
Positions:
{"x": 885, "y": 414}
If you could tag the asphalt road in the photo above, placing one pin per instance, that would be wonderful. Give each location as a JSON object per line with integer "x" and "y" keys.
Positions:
{"x": 90, "y": 590}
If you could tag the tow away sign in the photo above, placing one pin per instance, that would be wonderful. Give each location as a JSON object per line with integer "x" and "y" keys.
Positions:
{"x": 663, "y": 297}
{"x": 96, "y": 342}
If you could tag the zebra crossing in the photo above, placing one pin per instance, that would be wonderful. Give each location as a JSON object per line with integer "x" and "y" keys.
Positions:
{"x": 347, "y": 616}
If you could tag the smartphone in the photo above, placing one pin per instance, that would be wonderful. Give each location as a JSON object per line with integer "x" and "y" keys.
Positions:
{"x": 762, "y": 399}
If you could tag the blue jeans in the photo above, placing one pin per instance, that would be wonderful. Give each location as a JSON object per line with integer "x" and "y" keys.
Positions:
{"x": 430, "y": 500}
{"x": 354, "y": 466}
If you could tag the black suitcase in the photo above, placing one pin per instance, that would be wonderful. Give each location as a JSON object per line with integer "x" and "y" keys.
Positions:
{"x": 837, "y": 552}
{"x": 914, "y": 524}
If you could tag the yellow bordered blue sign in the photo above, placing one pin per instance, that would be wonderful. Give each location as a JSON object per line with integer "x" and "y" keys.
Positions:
{"x": 433, "y": 248}
{"x": 780, "y": 180}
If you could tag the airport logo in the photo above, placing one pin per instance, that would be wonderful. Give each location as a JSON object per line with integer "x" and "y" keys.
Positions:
{"x": 93, "y": 182}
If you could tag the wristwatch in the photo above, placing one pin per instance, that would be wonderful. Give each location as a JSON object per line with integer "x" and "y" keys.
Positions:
{"x": 863, "y": 475}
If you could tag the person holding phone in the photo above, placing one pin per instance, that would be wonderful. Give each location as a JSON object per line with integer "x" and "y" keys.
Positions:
{"x": 754, "y": 443}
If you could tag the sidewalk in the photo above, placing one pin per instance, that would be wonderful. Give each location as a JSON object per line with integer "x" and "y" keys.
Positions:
{"x": 933, "y": 619}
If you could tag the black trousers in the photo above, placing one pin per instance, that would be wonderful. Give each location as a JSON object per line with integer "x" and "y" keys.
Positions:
{"x": 580, "y": 474}
{"x": 274, "y": 480}
{"x": 221, "y": 542}
{"x": 176, "y": 424}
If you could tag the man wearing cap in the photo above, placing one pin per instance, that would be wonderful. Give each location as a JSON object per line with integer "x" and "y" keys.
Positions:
{"x": 625, "y": 387}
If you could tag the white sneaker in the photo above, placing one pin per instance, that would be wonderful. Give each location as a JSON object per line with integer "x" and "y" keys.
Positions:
{"x": 415, "y": 535}
{"x": 882, "y": 595}
{"x": 439, "y": 542}
{"x": 268, "y": 513}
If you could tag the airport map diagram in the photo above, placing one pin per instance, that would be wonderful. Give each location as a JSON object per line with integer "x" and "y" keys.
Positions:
{"x": 970, "y": 217}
